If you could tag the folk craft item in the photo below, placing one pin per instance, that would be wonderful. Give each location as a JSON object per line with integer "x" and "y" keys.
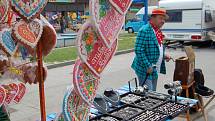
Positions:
{"x": 2, "y": 95}
{"x": 19, "y": 41}
{"x": 74, "y": 107}
{"x": 20, "y": 94}
{"x": 28, "y": 34}
{"x": 4, "y": 8}
{"x": 85, "y": 82}
{"x": 92, "y": 49}
{"x": 121, "y": 5}
{"x": 28, "y": 9}
{"x": 7, "y": 43}
{"x": 108, "y": 20}
{"x": 11, "y": 91}
{"x": 96, "y": 43}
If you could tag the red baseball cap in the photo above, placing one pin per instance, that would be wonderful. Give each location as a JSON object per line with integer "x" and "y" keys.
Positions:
{"x": 160, "y": 11}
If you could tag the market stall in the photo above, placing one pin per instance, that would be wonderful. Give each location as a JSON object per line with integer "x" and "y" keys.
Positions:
{"x": 25, "y": 38}
{"x": 28, "y": 37}
{"x": 137, "y": 104}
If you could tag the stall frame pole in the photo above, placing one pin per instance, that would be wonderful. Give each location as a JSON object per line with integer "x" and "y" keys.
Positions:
{"x": 41, "y": 82}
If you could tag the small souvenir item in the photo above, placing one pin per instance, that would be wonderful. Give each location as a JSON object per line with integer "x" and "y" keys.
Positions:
{"x": 149, "y": 103}
{"x": 28, "y": 9}
{"x": 74, "y": 107}
{"x": 11, "y": 91}
{"x": 4, "y": 8}
{"x": 85, "y": 81}
{"x": 171, "y": 108}
{"x": 20, "y": 94}
{"x": 7, "y": 43}
{"x": 24, "y": 52}
{"x": 92, "y": 49}
{"x": 28, "y": 34}
{"x": 2, "y": 95}
{"x": 121, "y": 5}
{"x": 126, "y": 112}
{"x": 108, "y": 20}
{"x": 150, "y": 116}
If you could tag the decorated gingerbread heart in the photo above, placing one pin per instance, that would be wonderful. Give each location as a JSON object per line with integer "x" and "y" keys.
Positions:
{"x": 121, "y": 5}
{"x": 28, "y": 9}
{"x": 11, "y": 91}
{"x": 74, "y": 108}
{"x": 2, "y": 95}
{"x": 107, "y": 19}
{"x": 28, "y": 34}
{"x": 85, "y": 81}
{"x": 92, "y": 49}
{"x": 20, "y": 94}
{"x": 96, "y": 42}
{"x": 7, "y": 43}
{"x": 4, "y": 7}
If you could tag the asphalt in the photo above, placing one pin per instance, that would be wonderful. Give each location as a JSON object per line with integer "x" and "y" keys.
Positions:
{"x": 117, "y": 73}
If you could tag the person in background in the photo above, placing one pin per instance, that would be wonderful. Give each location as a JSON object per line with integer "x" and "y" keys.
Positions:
{"x": 62, "y": 23}
{"x": 150, "y": 54}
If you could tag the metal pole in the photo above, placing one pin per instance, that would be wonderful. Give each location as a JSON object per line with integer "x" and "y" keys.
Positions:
{"x": 41, "y": 82}
{"x": 146, "y": 11}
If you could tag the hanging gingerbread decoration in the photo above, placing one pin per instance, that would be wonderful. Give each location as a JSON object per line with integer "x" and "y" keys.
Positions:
{"x": 96, "y": 43}
{"x": 19, "y": 40}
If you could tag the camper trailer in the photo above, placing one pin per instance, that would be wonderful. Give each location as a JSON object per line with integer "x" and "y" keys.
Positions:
{"x": 189, "y": 20}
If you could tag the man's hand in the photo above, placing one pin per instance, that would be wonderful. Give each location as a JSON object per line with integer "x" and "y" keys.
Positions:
{"x": 168, "y": 58}
{"x": 150, "y": 70}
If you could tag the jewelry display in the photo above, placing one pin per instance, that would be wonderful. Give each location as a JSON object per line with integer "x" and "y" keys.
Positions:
{"x": 150, "y": 116}
{"x": 126, "y": 112}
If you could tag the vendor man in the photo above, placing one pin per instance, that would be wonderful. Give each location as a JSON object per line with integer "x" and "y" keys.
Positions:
{"x": 149, "y": 50}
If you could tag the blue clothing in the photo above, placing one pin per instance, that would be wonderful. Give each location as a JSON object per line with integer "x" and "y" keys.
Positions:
{"x": 147, "y": 53}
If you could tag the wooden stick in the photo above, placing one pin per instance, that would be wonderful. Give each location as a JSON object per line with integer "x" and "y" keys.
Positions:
{"x": 41, "y": 82}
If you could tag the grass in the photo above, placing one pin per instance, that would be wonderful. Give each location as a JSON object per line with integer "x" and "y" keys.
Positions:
{"x": 126, "y": 41}
{"x": 61, "y": 54}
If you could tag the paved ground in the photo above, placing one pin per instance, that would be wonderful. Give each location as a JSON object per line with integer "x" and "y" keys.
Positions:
{"x": 116, "y": 74}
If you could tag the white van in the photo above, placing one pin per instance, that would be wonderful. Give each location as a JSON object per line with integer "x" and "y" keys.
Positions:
{"x": 189, "y": 20}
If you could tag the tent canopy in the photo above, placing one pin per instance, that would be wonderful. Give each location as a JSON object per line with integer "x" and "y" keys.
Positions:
{"x": 142, "y": 10}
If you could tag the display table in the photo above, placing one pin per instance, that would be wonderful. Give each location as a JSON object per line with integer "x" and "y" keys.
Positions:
{"x": 152, "y": 111}
{"x": 124, "y": 90}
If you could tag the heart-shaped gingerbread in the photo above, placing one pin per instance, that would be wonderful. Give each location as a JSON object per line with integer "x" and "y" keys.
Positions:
{"x": 2, "y": 95}
{"x": 121, "y": 5}
{"x": 11, "y": 91}
{"x": 28, "y": 9}
{"x": 28, "y": 34}
{"x": 92, "y": 49}
{"x": 7, "y": 43}
{"x": 20, "y": 93}
{"x": 74, "y": 107}
{"x": 107, "y": 19}
{"x": 85, "y": 81}
{"x": 4, "y": 7}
